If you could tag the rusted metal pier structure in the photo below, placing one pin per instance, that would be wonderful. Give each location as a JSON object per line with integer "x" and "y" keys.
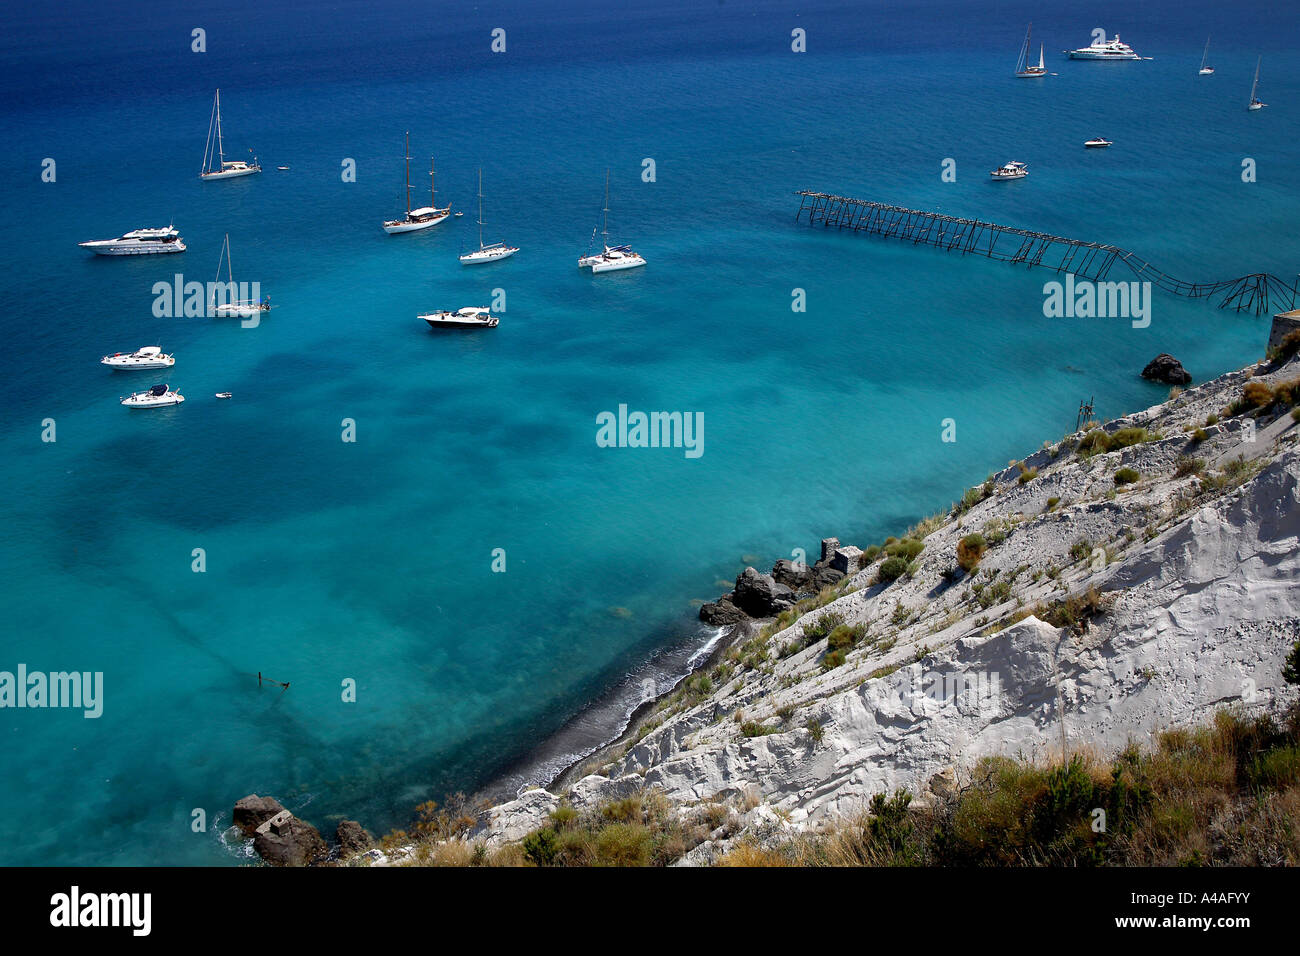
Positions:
{"x": 1259, "y": 292}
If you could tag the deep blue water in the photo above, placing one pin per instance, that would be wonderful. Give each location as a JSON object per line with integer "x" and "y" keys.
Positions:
{"x": 372, "y": 560}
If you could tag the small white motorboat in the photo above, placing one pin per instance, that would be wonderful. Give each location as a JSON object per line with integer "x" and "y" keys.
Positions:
{"x": 224, "y": 394}
{"x": 1011, "y": 170}
{"x": 159, "y": 396}
{"x": 1097, "y": 143}
{"x": 151, "y": 356}
{"x": 282, "y": 168}
{"x": 470, "y": 317}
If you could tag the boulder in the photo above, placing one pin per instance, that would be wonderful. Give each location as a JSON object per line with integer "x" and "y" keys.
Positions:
{"x": 721, "y": 613}
{"x": 792, "y": 575}
{"x": 284, "y": 840}
{"x": 352, "y": 838}
{"x": 1167, "y": 369}
{"x": 252, "y": 811}
{"x": 759, "y": 595}
{"x": 828, "y": 548}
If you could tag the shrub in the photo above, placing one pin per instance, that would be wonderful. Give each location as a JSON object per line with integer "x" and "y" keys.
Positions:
{"x": 1257, "y": 394}
{"x": 1211, "y": 420}
{"x": 824, "y": 624}
{"x": 1188, "y": 466}
{"x": 1097, "y": 442}
{"x": 907, "y": 549}
{"x": 1199, "y": 435}
{"x": 1288, "y": 347}
{"x": 871, "y": 554}
{"x": 1081, "y": 549}
{"x": 1052, "y": 502}
{"x": 831, "y": 661}
{"x": 1027, "y": 474}
{"x": 969, "y": 551}
{"x": 1074, "y": 611}
{"x": 623, "y": 844}
{"x": 541, "y": 846}
{"x": 1295, "y": 414}
{"x": 891, "y": 569}
{"x": 844, "y": 637}
{"x": 752, "y": 728}
{"x": 1126, "y": 476}
{"x": 814, "y": 728}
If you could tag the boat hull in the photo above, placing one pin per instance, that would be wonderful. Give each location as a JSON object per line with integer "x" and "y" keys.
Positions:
{"x": 617, "y": 265}
{"x": 397, "y": 226}
{"x": 166, "y": 402}
{"x": 237, "y": 311}
{"x": 483, "y": 256}
{"x": 1089, "y": 55}
{"x": 230, "y": 173}
{"x": 109, "y": 247}
{"x": 136, "y": 366}
{"x": 1207, "y": 71}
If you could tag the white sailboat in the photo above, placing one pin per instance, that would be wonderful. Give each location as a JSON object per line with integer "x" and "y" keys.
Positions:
{"x": 1024, "y": 68}
{"x": 215, "y": 150}
{"x": 613, "y": 258}
{"x": 1255, "y": 104}
{"x": 425, "y": 216}
{"x": 486, "y": 253}
{"x": 1206, "y": 69}
{"x": 235, "y": 308}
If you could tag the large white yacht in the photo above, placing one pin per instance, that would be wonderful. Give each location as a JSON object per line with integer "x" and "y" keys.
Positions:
{"x": 491, "y": 252}
{"x": 215, "y": 164}
{"x": 470, "y": 317}
{"x": 151, "y": 356}
{"x": 1011, "y": 170}
{"x": 425, "y": 216}
{"x": 137, "y": 242}
{"x": 611, "y": 258}
{"x": 158, "y": 396}
{"x": 1104, "y": 49}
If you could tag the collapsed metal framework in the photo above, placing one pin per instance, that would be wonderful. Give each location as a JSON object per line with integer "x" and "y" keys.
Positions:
{"x": 1089, "y": 260}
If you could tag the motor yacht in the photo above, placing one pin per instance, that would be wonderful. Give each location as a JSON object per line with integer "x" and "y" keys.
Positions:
{"x": 159, "y": 396}
{"x": 470, "y": 317}
{"x": 151, "y": 356}
{"x": 137, "y": 242}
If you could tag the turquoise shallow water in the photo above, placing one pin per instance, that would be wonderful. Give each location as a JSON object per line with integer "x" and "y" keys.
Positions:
{"x": 372, "y": 560}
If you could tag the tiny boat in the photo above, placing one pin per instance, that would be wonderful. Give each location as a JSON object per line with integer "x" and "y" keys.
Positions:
{"x": 1255, "y": 104}
{"x": 282, "y": 167}
{"x": 1097, "y": 143}
{"x": 1011, "y": 170}
{"x": 470, "y": 317}
{"x": 159, "y": 396}
{"x": 151, "y": 356}
{"x": 224, "y": 394}
{"x": 459, "y": 214}
{"x": 1206, "y": 69}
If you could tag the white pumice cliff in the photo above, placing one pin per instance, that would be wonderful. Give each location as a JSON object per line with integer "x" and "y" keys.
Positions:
{"x": 1189, "y": 583}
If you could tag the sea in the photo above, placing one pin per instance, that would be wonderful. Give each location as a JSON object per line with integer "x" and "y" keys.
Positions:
{"x": 419, "y": 532}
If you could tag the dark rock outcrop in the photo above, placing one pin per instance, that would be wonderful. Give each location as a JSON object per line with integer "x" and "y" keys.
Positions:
{"x": 759, "y": 595}
{"x": 352, "y": 838}
{"x": 1167, "y": 369}
{"x": 721, "y": 613}
{"x": 796, "y": 576}
{"x": 279, "y": 837}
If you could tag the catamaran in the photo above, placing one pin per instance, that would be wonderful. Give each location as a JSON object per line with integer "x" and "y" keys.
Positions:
{"x": 486, "y": 253}
{"x": 1206, "y": 69}
{"x": 1103, "y": 49}
{"x": 1255, "y": 104}
{"x": 215, "y": 150}
{"x": 612, "y": 258}
{"x": 137, "y": 242}
{"x": 1011, "y": 170}
{"x": 425, "y": 216}
{"x": 1023, "y": 66}
{"x": 236, "y": 308}
{"x": 149, "y": 357}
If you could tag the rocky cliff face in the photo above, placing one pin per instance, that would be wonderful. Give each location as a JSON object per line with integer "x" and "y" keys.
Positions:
{"x": 1106, "y": 607}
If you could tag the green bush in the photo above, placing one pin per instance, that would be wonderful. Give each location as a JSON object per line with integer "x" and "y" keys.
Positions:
{"x": 1052, "y": 502}
{"x": 541, "y": 846}
{"x": 907, "y": 549}
{"x": 1126, "y": 476}
{"x": 970, "y": 549}
{"x": 891, "y": 569}
{"x": 832, "y": 660}
{"x": 752, "y": 728}
{"x": 844, "y": 636}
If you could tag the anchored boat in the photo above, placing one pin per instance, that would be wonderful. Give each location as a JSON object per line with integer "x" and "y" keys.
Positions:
{"x": 1011, "y": 170}
{"x": 425, "y": 216}
{"x": 1103, "y": 49}
{"x": 238, "y": 309}
{"x": 486, "y": 253}
{"x": 215, "y": 164}
{"x": 137, "y": 242}
{"x": 159, "y": 396}
{"x": 1024, "y": 69}
{"x": 1255, "y": 104}
{"x": 470, "y": 317}
{"x": 151, "y": 356}
{"x": 612, "y": 258}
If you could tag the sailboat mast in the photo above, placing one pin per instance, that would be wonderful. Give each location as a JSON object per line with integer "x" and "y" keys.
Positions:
{"x": 221, "y": 153}
{"x": 1205, "y": 57}
{"x": 406, "y": 151}
{"x": 433, "y": 192}
{"x": 480, "y": 207}
{"x": 606, "y": 232}
{"x": 1255, "y": 86}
